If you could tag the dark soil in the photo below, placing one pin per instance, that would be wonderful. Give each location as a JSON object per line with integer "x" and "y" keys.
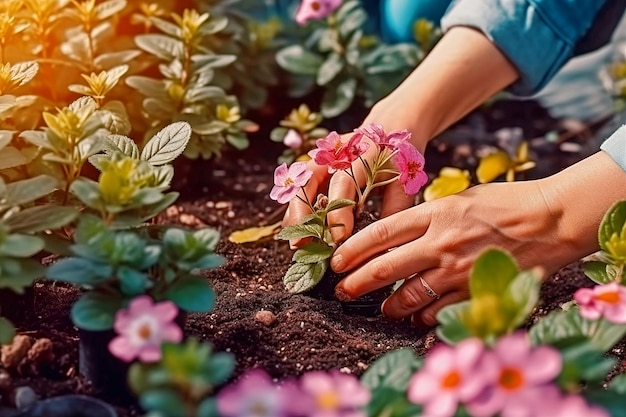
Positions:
{"x": 299, "y": 333}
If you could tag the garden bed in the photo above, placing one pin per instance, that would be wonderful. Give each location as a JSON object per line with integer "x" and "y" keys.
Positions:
{"x": 295, "y": 333}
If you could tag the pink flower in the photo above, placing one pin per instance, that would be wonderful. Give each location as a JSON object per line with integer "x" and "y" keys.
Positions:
{"x": 524, "y": 374}
{"x": 336, "y": 155}
{"x": 334, "y": 394}
{"x": 410, "y": 162}
{"x": 451, "y": 375}
{"x": 555, "y": 404}
{"x": 315, "y": 9}
{"x": 293, "y": 139}
{"x": 376, "y": 133}
{"x": 287, "y": 181}
{"x": 608, "y": 301}
{"x": 142, "y": 328}
{"x": 255, "y": 395}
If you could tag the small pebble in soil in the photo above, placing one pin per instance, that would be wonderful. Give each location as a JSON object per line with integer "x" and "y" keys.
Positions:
{"x": 24, "y": 397}
{"x": 265, "y": 317}
{"x": 13, "y": 353}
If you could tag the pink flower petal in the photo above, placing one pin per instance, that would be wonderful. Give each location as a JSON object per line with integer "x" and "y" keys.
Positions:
{"x": 583, "y": 295}
{"x": 140, "y": 305}
{"x": 150, "y": 354}
{"x": 281, "y": 173}
{"x": 423, "y": 386}
{"x": 165, "y": 311}
{"x": 441, "y": 405}
{"x": 171, "y": 333}
{"x": 121, "y": 349}
{"x": 543, "y": 365}
{"x": 293, "y": 139}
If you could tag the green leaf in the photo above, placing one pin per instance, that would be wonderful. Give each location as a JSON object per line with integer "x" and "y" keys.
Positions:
{"x": 191, "y": 293}
{"x": 112, "y": 59}
{"x": 7, "y": 331}
{"x": 618, "y": 384}
{"x": 161, "y": 46}
{"x": 561, "y": 325}
{"x": 17, "y": 274}
{"x": 298, "y": 60}
{"x": 40, "y": 218}
{"x": 299, "y": 231}
{"x": 167, "y": 401}
{"x": 302, "y": 277}
{"x": 124, "y": 144}
{"x": 351, "y": 22}
{"x": 109, "y": 8}
{"x": 392, "y": 370}
{"x": 492, "y": 273}
{"x": 221, "y": 367}
{"x": 278, "y": 134}
{"x": 388, "y": 402}
{"x": 87, "y": 191}
{"x": 612, "y": 232}
{"x": 95, "y": 311}
{"x": 338, "y": 97}
{"x": 610, "y": 401}
{"x": 331, "y": 67}
{"x": 521, "y": 297}
{"x": 79, "y": 271}
{"x": 11, "y": 157}
{"x": 167, "y": 144}
{"x": 452, "y": 322}
{"x": 132, "y": 282}
{"x": 114, "y": 118}
{"x": 208, "y": 408}
{"x": 312, "y": 253}
{"x": 21, "y": 246}
{"x": 26, "y": 191}
{"x": 597, "y": 272}
{"x": 339, "y": 203}
{"x": 582, "y": 363}
{"x": 238, "y": 141}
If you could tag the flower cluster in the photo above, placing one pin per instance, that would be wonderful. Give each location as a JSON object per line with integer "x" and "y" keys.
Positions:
{"x": 512, "y": 379}
{"x": 607, "y": 301}
{"x": 339, "y": 155}
{"x": 142, "y": 328}
{"x": 315, "y": 394}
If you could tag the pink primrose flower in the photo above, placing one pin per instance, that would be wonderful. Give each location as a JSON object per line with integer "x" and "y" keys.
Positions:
{"x": 334, "y": 394}
{"x": 142, "y": 328}
{"x": 293, "y": 139}
{"x": 315, "y": 9}
{"x": 451, "y": 375}
{"x": 336, "y": 155}
{"x": 255, "y": 395}
{"x": 287, "y": 181}
{"x": 608, "y": 301}
{"x": 555, "y": 404}
{"x": 410, "y": 162}
{"x": 376, "y": 133}
{"x": 523, "y": 376}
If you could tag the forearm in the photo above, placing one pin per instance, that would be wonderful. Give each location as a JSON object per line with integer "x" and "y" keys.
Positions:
{"x": 579, "y": 196}
{"x": 461, "y": 72}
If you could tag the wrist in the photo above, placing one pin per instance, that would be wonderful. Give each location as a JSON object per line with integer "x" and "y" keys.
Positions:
{"x": 578, "y": 198}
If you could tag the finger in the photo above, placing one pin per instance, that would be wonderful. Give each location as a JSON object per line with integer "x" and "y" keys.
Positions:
{"x": 341, "y": 186}
{"x": 297, "y": 208}
{"x": 395, "y": 199}
{"x": 380, "y": 236}
{"x": 385, "y": 269}
{"x": 413, "y": 296}
{"x": 427, "y": 317}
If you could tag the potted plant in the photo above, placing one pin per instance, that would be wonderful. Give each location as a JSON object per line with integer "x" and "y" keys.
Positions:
{"x": 394, "y": 159}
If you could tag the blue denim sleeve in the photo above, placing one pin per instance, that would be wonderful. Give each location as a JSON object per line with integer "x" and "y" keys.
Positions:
{"x": 615, "y": 146}
{"x": 537, "y": 36}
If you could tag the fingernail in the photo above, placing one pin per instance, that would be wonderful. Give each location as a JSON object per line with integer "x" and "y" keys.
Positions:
{"x": 338, "y": 234}
{"x": 342, "y": 295}
{"x": 337, "y": 263}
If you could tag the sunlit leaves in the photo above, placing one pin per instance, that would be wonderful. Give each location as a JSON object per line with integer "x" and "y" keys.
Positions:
{"x": 99, "y": 85}
{"x": 14, "y": 76}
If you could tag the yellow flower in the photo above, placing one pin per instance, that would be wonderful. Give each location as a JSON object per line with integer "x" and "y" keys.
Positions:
{"x": 227, "y": 114}
{"x": 122, "y": 177}
{"x": 302, "y": 119}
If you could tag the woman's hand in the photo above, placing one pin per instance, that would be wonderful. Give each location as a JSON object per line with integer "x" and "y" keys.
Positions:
{"x": 547, "y": 223}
